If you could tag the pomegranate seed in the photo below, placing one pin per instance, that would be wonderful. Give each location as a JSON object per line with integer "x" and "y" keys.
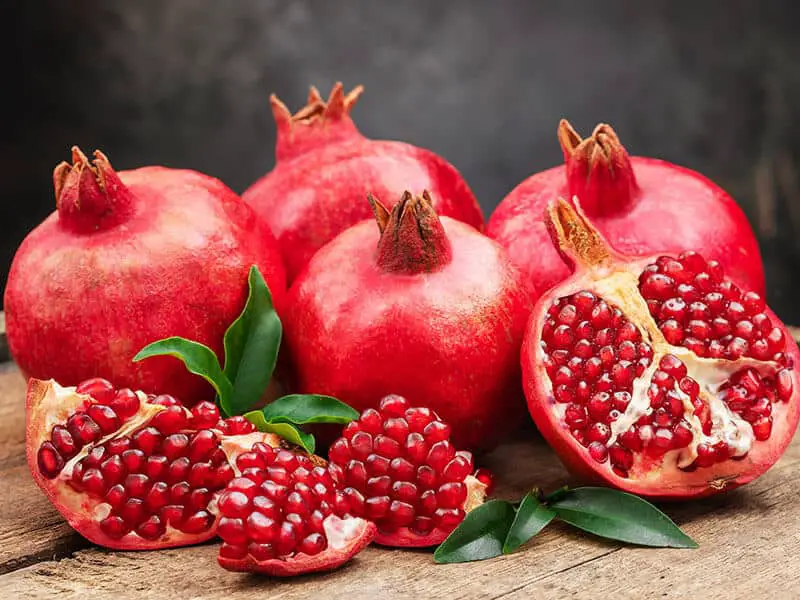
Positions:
{"x": 114, "y": 527}
{"x": 49, "y": 461}
{"x": 83, "y": 429}
{"x": 199, "y": 521}
{"x": 673, "y": 332}
{"x": 231, "y": 530}
{"x": 448, "y": 518}
{"x": 583, "y": 349}
{"x": 115, "y": 496}
{"x": 631, "y": 440}
{"x": 396, "y": 428}
{"x": 404, "y": 491}
{"x": 125, "y": 403}
{"x": 682, "y": 435}
{"x": 157, "y": 497}
{"x": 620, "y": 457}
{"x": 562, "y": 337}
{"x": 784, "y": 384}
{"x": 147, "y": 440}
{"x": 98, "y": 388}
{"x": 379, "y": 465}
{"x": 426, "y": 476}
{"x": 118, "y": 445}
{"x": 575, "y": 416}
{"x": 386, "y": 446}
{"x": 762, "y": 428}
{"x": 170, "y": 420}
{"x": 598, "y": 452}
{"x": 416, "y": 417}
{"x": 663, "y": 439}
{"x": 137, "y": 485}
{"x": 204, "y": 414}
{"x": 457, "y": 469}
{"x": 312, "y": 544}
{"x": 598, "y": 432}
{"x": 706, "y": 455}
{"x": 393, "y": 406}
{"x": 376, "y": 507}
{"x": 152, "y": 528}
{"x": 105, "y": 418}
{"x": 436, "y": 431}
{"x": 619, "y": 402}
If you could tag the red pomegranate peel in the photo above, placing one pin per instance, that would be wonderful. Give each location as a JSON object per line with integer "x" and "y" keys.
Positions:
{"x": 641, "y": 205}
{"x": 622, "y": 405}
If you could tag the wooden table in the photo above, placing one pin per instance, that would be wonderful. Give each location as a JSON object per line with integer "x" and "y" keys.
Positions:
{"x": 749, "y": 547}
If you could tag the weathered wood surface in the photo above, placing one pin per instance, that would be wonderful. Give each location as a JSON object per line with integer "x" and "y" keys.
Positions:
{"x": 749, "y": 547}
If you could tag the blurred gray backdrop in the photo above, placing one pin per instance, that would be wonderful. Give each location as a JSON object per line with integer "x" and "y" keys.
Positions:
{"x": 185, "y": 83}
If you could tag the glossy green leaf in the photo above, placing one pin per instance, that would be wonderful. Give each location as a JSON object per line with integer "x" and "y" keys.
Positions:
{"x": 619, "y": 516}
{"x": 251, "y": 347}
{"x": 199, "y": 359}
{"x": 309, "y": 408}
{"x": 532, "y": 516}
{"x": 479, "y": 536}
{"x": 286, "y": 430}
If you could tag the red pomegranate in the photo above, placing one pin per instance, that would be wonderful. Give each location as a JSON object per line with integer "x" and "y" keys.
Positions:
{"x": 657, "y": 375}
{"x": 135, "y": 472}
{"x": 436, "y": 314}
{"x": 127, "y": 259}
{"x": 325, "y": 168}
{"x": 399, "y": 469}
{"x": 641, "y": 205}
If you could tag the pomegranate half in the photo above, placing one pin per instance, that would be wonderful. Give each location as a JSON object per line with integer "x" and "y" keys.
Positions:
{"x": 657, "y": 375}
{"x": 641, "y": 205}
{"x": 129, "y": 258}
{"x": 325, "y": 167}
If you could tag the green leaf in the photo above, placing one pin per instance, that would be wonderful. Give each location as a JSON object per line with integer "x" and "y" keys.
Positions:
{"x": 308, "y": 408}
{"x": 479, "y": 536}
{"x": 532, "y": 517}
{"x": 251, "y": 347}
{"x": 199, "y": 359}
{"x": 286, "y": 430}
{"x": 620, "y": 516}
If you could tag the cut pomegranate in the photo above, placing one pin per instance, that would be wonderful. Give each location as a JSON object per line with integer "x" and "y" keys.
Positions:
{"x": 131, "y": 471}
{"x": 285, "y": 516}
{"x": 658, "y": 376}
{"x": 400, "y": 470}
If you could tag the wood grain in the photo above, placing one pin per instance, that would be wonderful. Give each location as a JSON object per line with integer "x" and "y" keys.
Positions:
{"x": 749, "y": 547}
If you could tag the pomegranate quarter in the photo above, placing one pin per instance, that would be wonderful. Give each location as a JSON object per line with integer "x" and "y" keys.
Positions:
{"x": 658, "y": 376}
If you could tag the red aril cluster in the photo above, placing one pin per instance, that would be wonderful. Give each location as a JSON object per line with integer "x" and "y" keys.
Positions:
{"x": 658, "y": 375}
{"x": 277, "y": 507}
{"x": 147, "y": 467}
{"x": 399, "y": 469}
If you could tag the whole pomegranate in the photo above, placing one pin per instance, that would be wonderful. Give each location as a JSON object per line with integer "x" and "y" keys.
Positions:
{"x": 435, "y": 314}
{"x": 325, "y": 167}
{"x": 399, "y": 469}
{"x": 657, "y": 375}
{"x": 133, "y": 471}
{"x": 641, "y": 205}
{"x": 127, "y": 259}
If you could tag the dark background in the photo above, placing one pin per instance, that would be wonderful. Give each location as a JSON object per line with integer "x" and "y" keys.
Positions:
{"x": 711, "y": 85}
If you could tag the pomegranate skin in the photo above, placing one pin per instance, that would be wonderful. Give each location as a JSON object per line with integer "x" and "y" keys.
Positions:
{"x": 447, "y": 337}
{"x": 322, "y": 161}
{"x": 130, "y": 258}
{"x": 641, "y": 205}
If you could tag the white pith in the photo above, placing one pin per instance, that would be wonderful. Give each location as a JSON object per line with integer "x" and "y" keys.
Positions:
{"x": 620, "y": 286}
{"x": 58, "y": 402}
{"x": 340, "y": 532}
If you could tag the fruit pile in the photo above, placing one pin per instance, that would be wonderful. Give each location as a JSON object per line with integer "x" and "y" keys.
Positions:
{"x": 412, "y": 340}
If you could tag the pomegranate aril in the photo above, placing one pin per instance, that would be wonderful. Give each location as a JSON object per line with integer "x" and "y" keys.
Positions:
{"x": 436, "y": 431}
{"x": 379, "y": 465}
{"x": 404, "y": 491}
{"x": 440, "y": 454}
{"x": 152, "y": 528}
{"x": 457, "y": 469}
{"x": 662, "y": 439}
{"x": 575, "y": 416}
{"x": 673, "y": 331}
{"x": 231, "y": 530}
{"x": 148, "y": 440}
{"x": 105, "y": 417}
{"x": 401, "y": 470}
{"x": 682, "y": 435}
{"x": 393, "y": 406}
{"x": 98, "y": 388}
{"x": 426, "y": 477}
{"x": 598, "y": 451}
{"x": 175, "y": 445}
{"x": 125, "y": 403}
{"x": 562, "y": 337}
{"x": 137, "y": 485}
{"x": 784, "y": 384}
{"x": 598, "y": 432}
{"x": 63, "y": 442}
{"x": 158, "y": 495}
{"x": 451, "y": 495}
{"x": 620, "y": 457}
{"x": 386, "y": 446}
{"x": 631, "y": 439}
{"x": 83, "y": 429}
{"x": 448, "y": 518}
{"x": 114, "y": 527}
{"x": 197, "y": 522}
{"x": 762, "y": 428}
{"x": 133, "y": 511}
{"x": 672, "y": 365}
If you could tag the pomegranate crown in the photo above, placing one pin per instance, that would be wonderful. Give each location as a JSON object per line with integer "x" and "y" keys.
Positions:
{"x": 576, "y": 239}
{"x": 90, "y": 196}
{"x": 317, "y": 123}
{"x": 412, "y": 239}
{"x": 599, "y": 169}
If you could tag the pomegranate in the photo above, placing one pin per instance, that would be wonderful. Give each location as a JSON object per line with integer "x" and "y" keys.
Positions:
{"x": 400, "y": 470}
{"x": 642, "y": 206}
{"x": 285, "y": 516}
{"x": 325, "y": 168}
{"x": 657, "y": 375}
{"x": 436, "y": 314}
{"x": 127, "y": 259}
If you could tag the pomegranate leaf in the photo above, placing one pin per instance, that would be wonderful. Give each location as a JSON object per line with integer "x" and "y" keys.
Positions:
{"x": 251, "y": 347}
{"x": 286, "y": 430}
{"x": 532, "y": 516}
{"x": 479, "y": 536}
{"x": 199, "y": 359}
{"x": 619, "y": 516}
{"x": 308, "y": 408}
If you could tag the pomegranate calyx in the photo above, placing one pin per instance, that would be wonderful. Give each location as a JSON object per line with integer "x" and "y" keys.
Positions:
{"x": 599, "y": 169}
{"x": 577, "y": 240}
{"x": 90, "y": 196}
{"x": 412, "y": 237}
{"x": 317, "y": 123}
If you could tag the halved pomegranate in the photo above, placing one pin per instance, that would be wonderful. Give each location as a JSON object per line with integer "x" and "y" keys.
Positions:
{"x": 658, "y": 376}
{"x": 285, "y": 515}
{"x": 400, "y": 470}
{"x": 131, "y": 471}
